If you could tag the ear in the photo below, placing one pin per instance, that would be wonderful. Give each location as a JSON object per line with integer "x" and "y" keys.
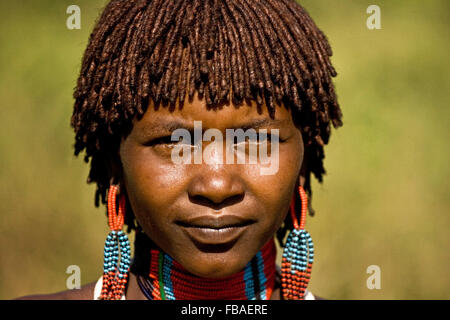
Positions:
{"x": 114, "y": 167}
{"x": 303, "y": 169}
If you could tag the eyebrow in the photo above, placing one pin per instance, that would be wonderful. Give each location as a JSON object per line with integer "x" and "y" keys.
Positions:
{"x": 174, "y": 124}
{"x": 263, "y": 122}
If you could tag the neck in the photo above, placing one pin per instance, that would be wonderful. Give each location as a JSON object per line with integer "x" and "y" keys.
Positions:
{"x": 167, "y": 279}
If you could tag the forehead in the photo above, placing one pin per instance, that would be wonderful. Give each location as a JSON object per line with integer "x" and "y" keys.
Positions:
{"x": 222, "y": 117}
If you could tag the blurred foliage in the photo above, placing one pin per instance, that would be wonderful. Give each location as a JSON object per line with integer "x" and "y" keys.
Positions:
{"x": 383, "y": 202}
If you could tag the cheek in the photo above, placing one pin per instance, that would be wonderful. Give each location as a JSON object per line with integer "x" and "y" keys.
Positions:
{"x": 152, "y": 187}
{"x": 274, "y": 192}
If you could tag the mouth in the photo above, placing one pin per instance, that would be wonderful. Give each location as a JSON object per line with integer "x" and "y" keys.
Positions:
{"x": 212, "y": 230}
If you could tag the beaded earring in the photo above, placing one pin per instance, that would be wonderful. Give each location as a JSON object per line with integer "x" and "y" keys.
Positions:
{"x": 117, "y": 255}
{"x": 298, "y": 255}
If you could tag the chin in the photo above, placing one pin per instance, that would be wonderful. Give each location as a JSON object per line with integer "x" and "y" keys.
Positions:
{"x": 215, "y": 265}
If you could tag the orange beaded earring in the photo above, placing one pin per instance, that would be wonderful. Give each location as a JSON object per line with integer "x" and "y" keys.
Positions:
{"x": 298, "y": 254}
{"x": 117, "y": 255}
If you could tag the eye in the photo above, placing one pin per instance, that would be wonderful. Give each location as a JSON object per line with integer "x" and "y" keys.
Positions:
{"x": 260, "y": 138}
{"x": 166, "y": 140}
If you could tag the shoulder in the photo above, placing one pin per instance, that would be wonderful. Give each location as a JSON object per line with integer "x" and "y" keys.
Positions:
{"x": 86, "y": 292}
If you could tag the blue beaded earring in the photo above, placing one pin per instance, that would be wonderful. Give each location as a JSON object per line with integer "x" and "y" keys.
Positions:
{"x": 298, "y": 255}
{"x": 117, "y": 255}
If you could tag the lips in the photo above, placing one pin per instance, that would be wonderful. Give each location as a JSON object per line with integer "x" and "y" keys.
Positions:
{"x": 214, "y": 229}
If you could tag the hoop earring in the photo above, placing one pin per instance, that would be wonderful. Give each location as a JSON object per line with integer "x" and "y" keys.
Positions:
{"x": 298, "y": 255}
{"x": 115, "y": 266}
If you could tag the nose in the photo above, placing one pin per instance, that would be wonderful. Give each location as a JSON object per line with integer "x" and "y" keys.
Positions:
{"x": 216, "y": 188}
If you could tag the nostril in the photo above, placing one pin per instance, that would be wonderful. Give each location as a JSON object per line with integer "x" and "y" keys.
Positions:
{"x": 213, "y": 203}
{"x": 216, "y": 189}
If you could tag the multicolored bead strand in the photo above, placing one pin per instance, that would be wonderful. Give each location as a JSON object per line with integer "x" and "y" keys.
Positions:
{"x": 168, "y": 280}
{"x": 117, "y": 251}
{"x": 298, "y": 255}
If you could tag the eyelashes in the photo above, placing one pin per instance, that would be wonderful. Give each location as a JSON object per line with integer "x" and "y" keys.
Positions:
{"x": 260, "y": 138}
{"x": 160, "y": 141}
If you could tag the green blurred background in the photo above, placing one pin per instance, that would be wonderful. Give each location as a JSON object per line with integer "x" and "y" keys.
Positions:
{"x": 383, "y": 202}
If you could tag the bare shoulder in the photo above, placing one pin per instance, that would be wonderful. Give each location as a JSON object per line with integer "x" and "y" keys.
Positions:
{"x": 86, "y": 292}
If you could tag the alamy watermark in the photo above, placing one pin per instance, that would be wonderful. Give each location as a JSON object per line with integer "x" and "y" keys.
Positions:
{"x": 74, "y": 20}
{"x": 374, "y": 281}
{"x": 249, "y": 146}
{"x": 74, "y": 280}
{"x": 374, "y": 20}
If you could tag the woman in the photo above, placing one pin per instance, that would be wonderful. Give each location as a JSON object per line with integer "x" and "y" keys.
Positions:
{"x": 157, "y": 71}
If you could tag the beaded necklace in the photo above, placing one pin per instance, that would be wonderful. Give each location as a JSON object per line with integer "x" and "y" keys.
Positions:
{"x": 168, "y": 280}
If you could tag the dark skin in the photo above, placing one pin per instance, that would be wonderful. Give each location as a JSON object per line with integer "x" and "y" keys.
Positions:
{"x": 161, "y": 192}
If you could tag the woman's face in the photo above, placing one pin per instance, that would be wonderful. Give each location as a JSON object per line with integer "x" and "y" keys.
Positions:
{"x": 211, "y": 216}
